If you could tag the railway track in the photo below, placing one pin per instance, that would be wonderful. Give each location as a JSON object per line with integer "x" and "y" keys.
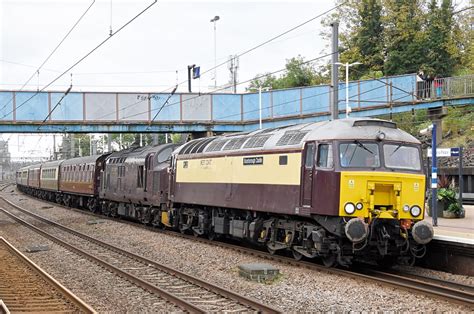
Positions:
{"x": 447, "y": 290}
{"x": 186, "y": 291}
{"x": 27, "y": 288}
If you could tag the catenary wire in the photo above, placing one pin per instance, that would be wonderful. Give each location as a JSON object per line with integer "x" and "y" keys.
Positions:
{"x": 52, "y": 52}
{"x": 84, "y": 57}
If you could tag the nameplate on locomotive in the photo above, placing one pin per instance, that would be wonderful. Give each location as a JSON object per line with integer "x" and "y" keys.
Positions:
{"x": 249, "y": 161}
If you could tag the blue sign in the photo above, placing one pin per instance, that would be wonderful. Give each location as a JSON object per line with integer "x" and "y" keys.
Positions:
{"x": 455, "y": 152}
{"x": 196, "y": 72}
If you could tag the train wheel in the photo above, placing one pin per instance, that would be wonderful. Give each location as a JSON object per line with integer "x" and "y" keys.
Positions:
{"x": 271, "y": 251}
{"x": 329, "y": 260}
{"x": 211, "y": 235}
{"x": 297, "y": 255}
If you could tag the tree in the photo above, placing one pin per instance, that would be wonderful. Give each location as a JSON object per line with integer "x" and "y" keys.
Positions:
{"x": 441, "y": 48}
{"x": 404, "y": 39}
{"x": 363, "y": 42}
{"x": 298, "y": 73}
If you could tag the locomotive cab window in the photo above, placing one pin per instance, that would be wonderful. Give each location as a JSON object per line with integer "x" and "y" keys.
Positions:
{"x": 325, "y": 156}
{"x": 402, "y": 157}
{"x": 359, "y": 155}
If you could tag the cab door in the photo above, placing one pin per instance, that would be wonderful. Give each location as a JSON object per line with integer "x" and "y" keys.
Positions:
{"x": 308, "y": 175}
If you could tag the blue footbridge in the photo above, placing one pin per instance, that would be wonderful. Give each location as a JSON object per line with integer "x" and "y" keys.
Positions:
{"x": 109, "y": 112}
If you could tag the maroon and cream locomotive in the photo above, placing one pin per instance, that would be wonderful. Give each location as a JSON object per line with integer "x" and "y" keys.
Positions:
{"x": 336, "y": 190}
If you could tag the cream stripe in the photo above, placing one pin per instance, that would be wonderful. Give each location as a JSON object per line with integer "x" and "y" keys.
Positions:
{"x": 230, "y": 169}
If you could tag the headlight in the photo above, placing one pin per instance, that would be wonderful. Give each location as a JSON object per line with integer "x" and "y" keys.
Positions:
{"x": 380, "y": 136}
{"x": 415, "y": 211}
{"x": 349, "y": 208}
{"x": 406, "y": 208}
{"x": 359, "y": 206}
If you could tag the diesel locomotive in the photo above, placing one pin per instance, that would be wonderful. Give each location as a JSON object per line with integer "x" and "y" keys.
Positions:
{"x": 343, "y": 190}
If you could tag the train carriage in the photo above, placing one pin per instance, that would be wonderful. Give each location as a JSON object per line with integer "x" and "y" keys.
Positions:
{"x": 332, "y": 189}
{"x": 79, "y": 181}
{"x": 49, "y": 180}
{"x": 34, "y": 176}
{"x": 22, "y": 177}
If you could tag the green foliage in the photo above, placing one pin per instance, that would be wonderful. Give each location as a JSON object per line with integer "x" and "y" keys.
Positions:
{"x": 404, "y": 39}
{"x": 448, "y": 197}
{"x": 298, "y": 73}
{"x": 405, "y": 36}
{"x": 364, "y": 41}
{"x": 440, "y": 45}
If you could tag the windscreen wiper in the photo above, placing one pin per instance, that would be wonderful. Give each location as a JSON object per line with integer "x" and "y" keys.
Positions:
{"x": 363, "y": 146}
{"x": 398, "y": 147}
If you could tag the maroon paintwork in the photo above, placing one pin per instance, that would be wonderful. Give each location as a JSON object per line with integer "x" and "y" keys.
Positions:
{"x": 137, "y": 175}
{"x": 259, "y": 197}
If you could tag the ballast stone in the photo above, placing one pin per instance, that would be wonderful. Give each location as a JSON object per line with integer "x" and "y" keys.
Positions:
{"x": 258, "y": 272}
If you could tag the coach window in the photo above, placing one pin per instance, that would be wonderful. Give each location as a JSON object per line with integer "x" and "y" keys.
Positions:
{"x": 325, "y": 156}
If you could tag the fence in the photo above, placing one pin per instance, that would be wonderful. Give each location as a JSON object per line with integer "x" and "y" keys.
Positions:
{"x": 448, "y": 87}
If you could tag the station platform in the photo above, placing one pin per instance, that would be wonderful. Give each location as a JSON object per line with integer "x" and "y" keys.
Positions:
{"x": 452, "y": 248}
{"x": 458, "y": 230}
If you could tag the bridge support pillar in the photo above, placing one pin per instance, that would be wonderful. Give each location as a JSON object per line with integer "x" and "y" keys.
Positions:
{"x": 73, "y": 146}
{"x": 155, "y": 139}
{"x": 436, "y": 115}
{"x": 196, "y": 135}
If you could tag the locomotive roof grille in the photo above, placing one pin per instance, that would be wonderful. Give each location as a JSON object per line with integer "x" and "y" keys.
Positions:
{"x": 235, "y": 143}
{"x": 201, "y": 145}
{"x": 291, "y": 138}
{"x": 217, "y": 146}
{"x": 187, "y": 147}
{"x": 257, "y": 141}
{"x": 386, "y": 124}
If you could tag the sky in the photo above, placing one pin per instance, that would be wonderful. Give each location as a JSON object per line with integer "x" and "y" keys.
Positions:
{"x": 152, "y": 53}
{"x": 146, "y": 54}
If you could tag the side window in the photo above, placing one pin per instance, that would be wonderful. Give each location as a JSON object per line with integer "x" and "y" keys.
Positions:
{"x": 325, "y": 156}
{"x": 309, "y": 161}
{"x": 140, "y": 177}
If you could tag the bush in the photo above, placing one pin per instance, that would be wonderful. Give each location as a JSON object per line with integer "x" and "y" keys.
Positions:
{"x": 448, "y": 197}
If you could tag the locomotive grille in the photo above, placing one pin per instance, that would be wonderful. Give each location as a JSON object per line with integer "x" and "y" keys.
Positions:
{"x": 216, "y": 146}
{"x": 291, "y": 138}
{"x": 235, "y": 143}
{"x": 257, "y": 141}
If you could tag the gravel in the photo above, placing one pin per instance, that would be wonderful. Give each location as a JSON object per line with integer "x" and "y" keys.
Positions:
{"x": 296, "y": 290}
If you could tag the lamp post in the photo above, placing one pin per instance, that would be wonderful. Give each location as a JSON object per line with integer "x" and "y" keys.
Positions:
{"x": 347, "y": 65}
{"x": 214, "y": 20}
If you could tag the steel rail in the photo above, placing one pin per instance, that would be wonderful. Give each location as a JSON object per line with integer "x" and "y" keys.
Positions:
{"x": 63, "y": 291}
{"x": 453, "y": 293}
{"x": 140, "y": 283}
{"x": 247, "y": 302}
